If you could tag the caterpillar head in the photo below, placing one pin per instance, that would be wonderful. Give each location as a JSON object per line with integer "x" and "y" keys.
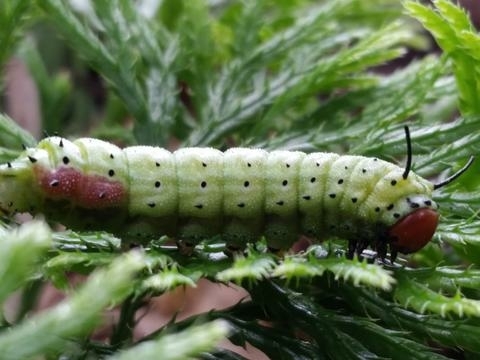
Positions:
{"x": 415, "y": 229}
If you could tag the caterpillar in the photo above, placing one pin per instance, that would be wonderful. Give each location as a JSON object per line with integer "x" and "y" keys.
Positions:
{"x": 196, "y": 193}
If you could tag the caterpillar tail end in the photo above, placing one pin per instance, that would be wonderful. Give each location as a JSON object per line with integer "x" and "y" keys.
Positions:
{"x": 17, "y": 187}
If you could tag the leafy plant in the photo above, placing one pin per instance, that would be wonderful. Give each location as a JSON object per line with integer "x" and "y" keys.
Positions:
{"x": 305, "y": 75}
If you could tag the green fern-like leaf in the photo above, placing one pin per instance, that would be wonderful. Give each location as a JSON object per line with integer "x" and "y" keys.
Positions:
{"x": 414, "y": 295}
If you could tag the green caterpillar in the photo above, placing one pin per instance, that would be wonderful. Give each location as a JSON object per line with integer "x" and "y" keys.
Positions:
{"x": 241, "y": 194}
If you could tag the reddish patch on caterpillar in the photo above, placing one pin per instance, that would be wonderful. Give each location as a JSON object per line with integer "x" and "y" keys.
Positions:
{"x": 83, "y": 190}
{"x": 414, "y": 231}
{"x": 60, "y": 184}
{"x": 99, "y": 192}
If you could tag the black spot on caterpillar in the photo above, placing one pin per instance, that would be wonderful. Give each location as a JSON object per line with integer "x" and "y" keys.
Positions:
{"x": 241, "y": 194}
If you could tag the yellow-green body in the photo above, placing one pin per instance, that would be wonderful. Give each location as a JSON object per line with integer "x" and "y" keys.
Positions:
{"x": 196, "y": 193}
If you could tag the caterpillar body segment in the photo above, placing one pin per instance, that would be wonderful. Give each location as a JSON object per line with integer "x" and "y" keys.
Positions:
{"x": 240, "y": 194}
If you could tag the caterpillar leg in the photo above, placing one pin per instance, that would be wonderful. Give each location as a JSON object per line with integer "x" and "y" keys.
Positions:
{"x": 232, "y": 250}
{"x": 381, "y": 247}
{"x": 280, "y": 233}
{"x": 191, "y": 231}
{"x": 278, "y": 252}
{"x": 185, "y": 247}
{"x": 352, "y": 246}
{"x": 393, "y": 255}
{"x": 356, "y": 247}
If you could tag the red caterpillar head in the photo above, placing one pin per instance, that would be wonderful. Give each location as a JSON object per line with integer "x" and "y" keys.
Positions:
{"x": 415, "y": 230}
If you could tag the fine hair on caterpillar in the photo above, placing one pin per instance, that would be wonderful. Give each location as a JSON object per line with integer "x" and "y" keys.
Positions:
{"x": 241, "y": 194}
